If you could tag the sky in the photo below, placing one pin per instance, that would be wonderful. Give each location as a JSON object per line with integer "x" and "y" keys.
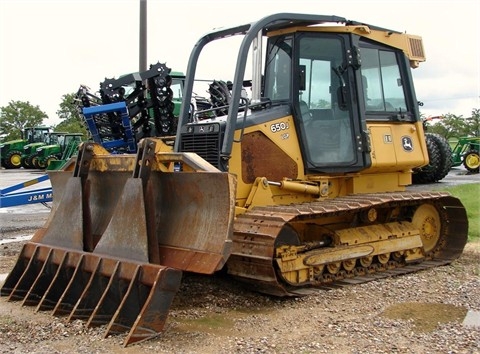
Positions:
{"x": 50, "y": 48}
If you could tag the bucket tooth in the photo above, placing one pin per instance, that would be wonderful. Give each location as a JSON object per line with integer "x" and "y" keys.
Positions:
{"x": 93, "y": 289}
{"x": 44, "y": 277}
{"x": 127, "y": 296}
{"x": 59, "y": 282}
{"x": 77, "y": 285}
{"x": 153, "y": 302}
{"x": 23, "y": 275}
{"x": 112, "y": 293}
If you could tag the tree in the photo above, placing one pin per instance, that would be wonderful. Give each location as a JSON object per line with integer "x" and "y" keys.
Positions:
{"x": 450, "y": 126}
{"x": 18, "y": 115}
{"x": 321, "y": 103}
{"x": 473, "y": 123}
{"x": 72, "y": 119}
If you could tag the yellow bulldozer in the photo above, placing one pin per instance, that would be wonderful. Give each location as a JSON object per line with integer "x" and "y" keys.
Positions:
{"x": 299, "y": 186}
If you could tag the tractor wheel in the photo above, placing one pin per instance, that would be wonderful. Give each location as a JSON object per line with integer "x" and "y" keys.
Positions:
{"x": 471, "y": 161}
{"x": 39, "y": 164}
{"x": 25, "y": 163}
{"x": 49, "y": 159}
{"x": 426, "y": 174}
{"x": 34, "y": 161}
{"x": 13, "y": 159}
{"x": 446, "y": 160}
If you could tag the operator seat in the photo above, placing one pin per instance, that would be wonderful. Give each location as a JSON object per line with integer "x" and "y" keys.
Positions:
{"x": 305, "y": 112}
{"x": 329, "y": 138}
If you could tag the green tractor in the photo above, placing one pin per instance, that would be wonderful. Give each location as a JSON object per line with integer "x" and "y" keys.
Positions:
{"x": 70, "y": 150}
{"x": 29, "y": 153}
{"x": 11, "y": 151}
{"x": 53, "y": 152}
{"x": 467, "y": 152}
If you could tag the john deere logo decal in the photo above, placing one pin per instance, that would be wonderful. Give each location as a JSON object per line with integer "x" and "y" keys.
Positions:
{"x": 407, "y": 143}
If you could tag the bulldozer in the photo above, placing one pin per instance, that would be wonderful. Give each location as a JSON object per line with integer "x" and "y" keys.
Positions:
{"x": 299, "y": 187}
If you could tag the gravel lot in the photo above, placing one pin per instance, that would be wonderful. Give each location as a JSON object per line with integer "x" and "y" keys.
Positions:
{"x": 415, "y": 313}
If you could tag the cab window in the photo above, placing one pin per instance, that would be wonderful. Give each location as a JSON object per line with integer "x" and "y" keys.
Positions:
{"x": 381, "y": 80}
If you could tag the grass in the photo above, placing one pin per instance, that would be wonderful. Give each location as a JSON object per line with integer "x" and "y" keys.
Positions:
{"x": 469, "y": 194}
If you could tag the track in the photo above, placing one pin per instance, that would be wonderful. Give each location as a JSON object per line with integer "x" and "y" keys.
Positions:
{"x": 380, "y": 274}
{"x": 256, "y": 232}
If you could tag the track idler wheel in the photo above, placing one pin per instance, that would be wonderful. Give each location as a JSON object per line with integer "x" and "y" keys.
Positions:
{"x": 427, "y": 220}
{"x": 334, "y": 268}
{"x": 383, "y": 258}
{"x": 366, "y": 261}
{"x": 443, "y": 228}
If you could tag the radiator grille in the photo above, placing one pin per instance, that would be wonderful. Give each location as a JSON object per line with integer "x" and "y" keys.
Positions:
{"x": 205, "y": 145}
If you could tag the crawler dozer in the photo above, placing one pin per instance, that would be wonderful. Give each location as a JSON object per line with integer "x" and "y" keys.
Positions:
{"x": 300, "y": 186}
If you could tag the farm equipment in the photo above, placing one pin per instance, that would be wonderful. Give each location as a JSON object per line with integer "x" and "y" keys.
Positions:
{"x": 70, "y": 150}
{"x": 132, "y": 107}
{"x": 30, "y": 155}
{"x": 62, "y": 142}
{"x": 439, "y": 160}
{"x": 467, "y": 152}
{"x": 20, "y": 194}
{"x": 301, "y": 186}
{"x": 439, "y": 157}
{"x": 30, "y": 151}
{"x": 11, "y": 151}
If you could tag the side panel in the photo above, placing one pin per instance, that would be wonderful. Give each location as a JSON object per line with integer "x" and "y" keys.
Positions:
{"x": 396, "y": 146}
{"x": 270, "y": 150}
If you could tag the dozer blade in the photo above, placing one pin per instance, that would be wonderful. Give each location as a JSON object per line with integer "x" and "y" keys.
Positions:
{"x": 121, "y": 231}
{"x": 194, "y": 220}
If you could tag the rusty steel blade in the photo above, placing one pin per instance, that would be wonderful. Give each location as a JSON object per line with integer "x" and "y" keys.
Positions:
{"x": 126, "y": 235}
{"x": 65, "y": 228}
{"x": 194, "y": 219}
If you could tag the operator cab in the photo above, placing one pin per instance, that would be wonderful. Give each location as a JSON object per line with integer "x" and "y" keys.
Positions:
{"x": 336, "y": 83}
{"x": 347, "y": 87}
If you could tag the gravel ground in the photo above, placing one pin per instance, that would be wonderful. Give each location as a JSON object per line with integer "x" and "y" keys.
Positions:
{"x": 415, "y": 313}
